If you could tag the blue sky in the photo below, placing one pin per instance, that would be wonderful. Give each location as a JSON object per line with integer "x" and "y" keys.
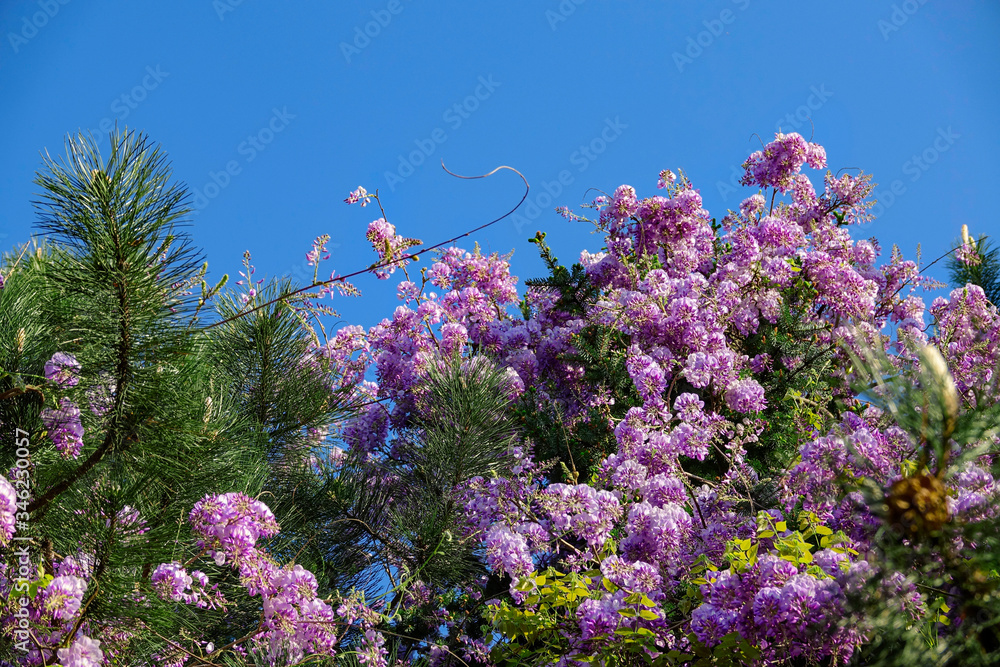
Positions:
{"x": 272, "y": 112}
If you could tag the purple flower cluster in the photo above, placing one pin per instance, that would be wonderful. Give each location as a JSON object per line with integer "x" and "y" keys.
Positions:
{"x": 685, "y": 297}
{"x": 52, "y": 615}
{"x": 84, "y": 652}
{"x": 101, "y": 395}
{"x": 507, "y": 552}
{"x": 746, "y": 396}
{"x": 779, "y": 161}
{"x": 62, "y": 598}
{"x": 8, "y": 510}
{"x": 230, "y": 524}
{"x": 64, "y": 427}
{"x": 296, "y": 622}
{"x": 635, "y": 576}
{"x": 390, "y": 247}
{"x": 360, "y": 195}
{"x": 968, "y": 334}
{"x": 780, "y": 608}
{"x": 968, "y": 254}
{"x": 588, "y": 513}
{"x": 63, "y": 369}
{"x": 172, "y": 581}
{"x": 657, "y": 534}
{"x": 318, "y": 252}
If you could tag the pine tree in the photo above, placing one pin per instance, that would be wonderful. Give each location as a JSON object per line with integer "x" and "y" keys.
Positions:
{"x": 980, "y": 267}
{"x": 172, "y": 410}
{"x": 463, "y": 428}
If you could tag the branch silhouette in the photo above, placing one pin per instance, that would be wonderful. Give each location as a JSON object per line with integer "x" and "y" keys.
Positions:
{"x": 391, "y": 261}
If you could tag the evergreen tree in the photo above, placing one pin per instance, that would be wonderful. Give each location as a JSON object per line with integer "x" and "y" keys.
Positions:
{"x": 462, "y": 429}
{"x": 100, "y": 331}
{"x": 976, "y": 262}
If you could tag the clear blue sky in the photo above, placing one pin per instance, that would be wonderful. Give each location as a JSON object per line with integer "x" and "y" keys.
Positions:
{"x": 302, "y": 106}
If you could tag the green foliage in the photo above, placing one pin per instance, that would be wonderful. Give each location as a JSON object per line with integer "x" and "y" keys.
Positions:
{"x": 535, "y": 629}
{"x": 986, "y": 273}
{"x": 462, "y": 429}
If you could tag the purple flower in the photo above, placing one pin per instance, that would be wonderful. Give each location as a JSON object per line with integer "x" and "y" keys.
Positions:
{"x": 699, "y": 369}
{"x": 64, "y": 427}
{"x": 359, "y": 195}
{"x": 746, "y": 396}
{"x": 767, "y": 609}
{"x": 8, "y": 509}
{"x": 389, "y": 246}
{"x": 318, "y": 252}
{"x": 62, "y": 369}
{"x": 599, "y": 617}
{"x": 231, "y": 523}
{"x": 781, "y": 160}
{"x": 84, "y": 652}
{"x": 172, "y": 581}
{"x": 507, "y": 552}
{"x": 752, "y": 205}
{"x": 648, "y": 376}
{"x": 725, "y": 591}
{"x": 711, "y": 624}
{"x": 656, "y": 534}
{"x": 62, "y": 598}
{"x": 623, "y": 205}
{"x": 774, "y": 571}
{"x": 637, "y": 576}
